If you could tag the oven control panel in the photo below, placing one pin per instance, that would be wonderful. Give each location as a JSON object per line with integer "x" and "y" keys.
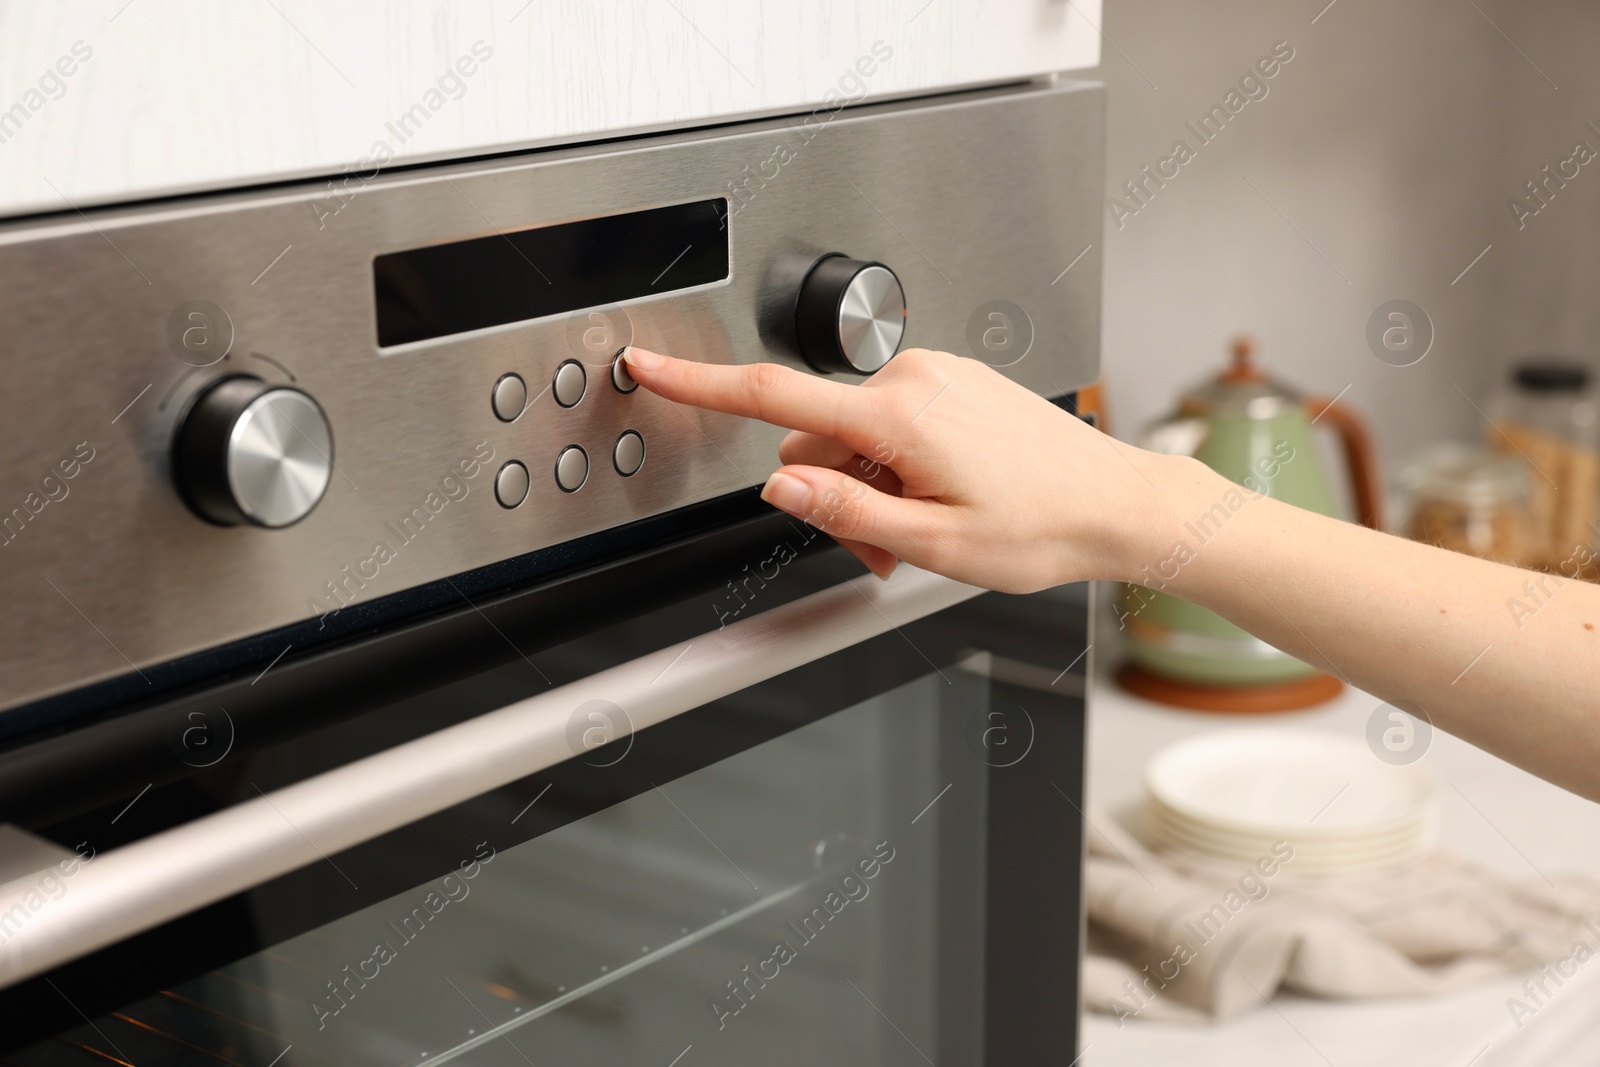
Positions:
{"x": 245, "y": 451}
{"x": 235, "y": 414}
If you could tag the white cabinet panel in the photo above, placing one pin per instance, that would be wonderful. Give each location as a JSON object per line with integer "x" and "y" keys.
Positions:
{"x": 131, "y": 98}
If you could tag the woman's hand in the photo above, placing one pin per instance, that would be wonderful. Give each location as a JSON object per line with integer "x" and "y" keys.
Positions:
{"x": 945, "y": 463}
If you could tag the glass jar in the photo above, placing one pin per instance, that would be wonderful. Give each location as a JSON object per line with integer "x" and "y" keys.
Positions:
{"x": 1548, "y": 413}
{"x": 1470, "y": 500}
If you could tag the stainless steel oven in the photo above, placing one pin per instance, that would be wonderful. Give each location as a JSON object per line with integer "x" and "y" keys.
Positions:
{"x": 387, "y": 680}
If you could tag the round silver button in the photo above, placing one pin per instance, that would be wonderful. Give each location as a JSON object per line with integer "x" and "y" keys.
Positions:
{"x": 572, "y": 469}
{"x": 872, "y": 318}
{"x": 280, "y": 457}
{"x": 509, "y": 397}
{"x": 570, "y": 382}
{"x": 620, "y": 378}
{"x": 628, "y": 453}
{"x": 511, "y": 484}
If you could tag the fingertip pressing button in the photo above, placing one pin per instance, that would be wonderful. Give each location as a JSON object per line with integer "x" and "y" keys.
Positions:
{"x": 620, "y": 378}
{"x": 509, "y": 397}
{"x": 570, "y": 382}
{"x": 572, "y": 469}
{"x": 628, "y": 453}
{"x": 511, "y": 484}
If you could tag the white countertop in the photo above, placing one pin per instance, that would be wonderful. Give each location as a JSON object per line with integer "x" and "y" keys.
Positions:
{"x": 1494, "y": 814}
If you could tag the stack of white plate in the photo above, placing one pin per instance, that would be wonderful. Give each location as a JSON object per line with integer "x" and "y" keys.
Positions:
{"x": 1241, "y": 795}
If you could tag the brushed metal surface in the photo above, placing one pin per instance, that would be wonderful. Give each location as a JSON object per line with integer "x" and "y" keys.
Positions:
{"x": 970, "y": 198}
{"x": 280, "y": 458}
{"x": 872, "y": 319}
{"x": 144, "y": 884}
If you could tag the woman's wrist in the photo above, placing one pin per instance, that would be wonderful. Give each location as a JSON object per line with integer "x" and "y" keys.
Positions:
{"x": 1150, "y": 543}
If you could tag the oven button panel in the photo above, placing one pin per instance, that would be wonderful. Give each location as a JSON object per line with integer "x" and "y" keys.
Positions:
{"x": 247, "y": 452}
{"x": 850, "y": 316}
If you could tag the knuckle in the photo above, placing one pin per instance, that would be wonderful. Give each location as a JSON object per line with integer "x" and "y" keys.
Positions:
{"x": 766, "y": 377}
{"x": 851, "y": 518}
{"x": 925, "y": 360}
{"x": 823, "y": 510}
{"x": 897, "y": 370}
{"x": 761, "y": 382}
{"x": 969, "y": 366}
{"x": 842, "y": 511}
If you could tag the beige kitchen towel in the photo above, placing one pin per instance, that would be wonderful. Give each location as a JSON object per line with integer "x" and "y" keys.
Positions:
{"x": 1175, "y": 935}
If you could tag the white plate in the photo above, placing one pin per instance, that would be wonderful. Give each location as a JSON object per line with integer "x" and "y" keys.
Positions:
{"x": 1200, "y": 836}
{"x": 1251, "y": 852}
{"x": 1304, "y": 862}
{"x": 1305, "y": 867}
{"x": 1395, "y": 831}
{"x": 1295, "y": 785}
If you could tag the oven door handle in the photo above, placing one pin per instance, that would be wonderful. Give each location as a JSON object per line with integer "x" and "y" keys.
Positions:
{"x": 146, "y": 883}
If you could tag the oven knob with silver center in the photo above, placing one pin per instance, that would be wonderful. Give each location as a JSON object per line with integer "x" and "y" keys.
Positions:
{"x": 850, "y": 316}
{"x": 249, "y": 452}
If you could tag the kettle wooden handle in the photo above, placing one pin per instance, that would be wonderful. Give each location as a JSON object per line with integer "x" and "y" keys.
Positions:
{"x": 1359, "y": 454}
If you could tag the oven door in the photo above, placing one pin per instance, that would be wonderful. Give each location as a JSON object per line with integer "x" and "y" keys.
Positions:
{"x": 777, "y": 812}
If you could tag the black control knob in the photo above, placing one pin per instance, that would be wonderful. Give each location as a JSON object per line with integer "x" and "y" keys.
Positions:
{"x": 249, "y": 452}
{"x": 850, "y": 316}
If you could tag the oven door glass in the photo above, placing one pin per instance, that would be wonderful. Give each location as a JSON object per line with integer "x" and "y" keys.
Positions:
{"x": 869, "y": 859}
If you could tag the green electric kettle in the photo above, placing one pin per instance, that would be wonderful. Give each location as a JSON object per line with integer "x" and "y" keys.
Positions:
{"x": 1261, "y": 435}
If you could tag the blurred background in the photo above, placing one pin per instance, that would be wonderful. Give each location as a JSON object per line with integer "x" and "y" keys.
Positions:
{"x": 1377, "y": 168}
{"x": 1391, "y": 143}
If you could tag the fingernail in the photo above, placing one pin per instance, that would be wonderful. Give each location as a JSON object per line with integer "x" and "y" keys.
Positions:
{"x": 787, "y": 493}
{"x": 642, "y": 358}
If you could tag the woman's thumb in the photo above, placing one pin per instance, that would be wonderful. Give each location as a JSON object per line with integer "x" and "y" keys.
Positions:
{"x": 845, "y": 507}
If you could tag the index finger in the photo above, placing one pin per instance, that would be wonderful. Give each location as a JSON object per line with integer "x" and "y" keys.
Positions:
{"x": 764, "y": 391}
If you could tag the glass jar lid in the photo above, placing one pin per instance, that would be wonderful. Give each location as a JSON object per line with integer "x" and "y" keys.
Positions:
{"x": 1550, "y": 374}
{"x": 1468, "y": 475}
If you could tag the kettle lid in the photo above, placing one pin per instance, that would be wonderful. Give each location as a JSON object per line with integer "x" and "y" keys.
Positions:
{"x": 1242, "y": 388}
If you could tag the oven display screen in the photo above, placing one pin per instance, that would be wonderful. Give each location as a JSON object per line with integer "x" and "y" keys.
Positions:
{"x": 423, "y": 293}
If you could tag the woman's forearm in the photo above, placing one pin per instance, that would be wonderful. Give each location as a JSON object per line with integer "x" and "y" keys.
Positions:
{"x": 1505, "y": 658}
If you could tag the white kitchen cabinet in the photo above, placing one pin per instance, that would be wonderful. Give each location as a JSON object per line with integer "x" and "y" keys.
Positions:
{"x": 127, "y": 99}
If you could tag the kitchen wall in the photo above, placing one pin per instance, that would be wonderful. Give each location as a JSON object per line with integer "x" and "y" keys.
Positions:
{"x": 1553, "y": 261}
{"x": 1377, "y": 166}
